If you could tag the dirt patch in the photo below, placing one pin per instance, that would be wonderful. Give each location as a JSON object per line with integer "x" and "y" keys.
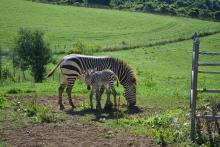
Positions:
{"x": 69, "y": 132}
{"x": 70, "y": 135}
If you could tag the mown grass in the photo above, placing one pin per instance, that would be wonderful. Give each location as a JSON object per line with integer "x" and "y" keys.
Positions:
{"x": 163, "y": 74}
{"x": 63, "y": 25}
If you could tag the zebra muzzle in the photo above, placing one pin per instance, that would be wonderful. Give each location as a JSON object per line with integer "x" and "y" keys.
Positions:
{"x": 88, "y": 87}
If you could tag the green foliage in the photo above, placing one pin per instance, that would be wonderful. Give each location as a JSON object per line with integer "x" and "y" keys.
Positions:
{"x": 207, "y": 131}
{"x": 32, "y": 49}
{"x": 3, "y": 144}
{"x": 3, "y": 101}
{"x": 79, "y": 47}
{"x": 217, "y": 15}
{"x": 170, "y": 127}
{"x": 37, "y": 113}
{"x": 5, "y": 73}
{"x": 14, "y": 91}
{"x": 173, "y": 7}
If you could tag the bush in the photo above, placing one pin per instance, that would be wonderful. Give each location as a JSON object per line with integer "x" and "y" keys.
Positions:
{"x": 194, "y": 12}
{"x": 31, "y": 48}
{"x": 217, "y": 15}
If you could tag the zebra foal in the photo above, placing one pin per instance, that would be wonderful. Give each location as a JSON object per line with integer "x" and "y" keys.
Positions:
{"x": 99, "y": 80}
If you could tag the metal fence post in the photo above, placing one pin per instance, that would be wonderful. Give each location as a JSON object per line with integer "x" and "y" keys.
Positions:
{"x": 195, "y": 57}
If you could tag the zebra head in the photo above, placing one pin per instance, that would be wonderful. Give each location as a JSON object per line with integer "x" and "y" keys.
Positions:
{"x": 88, "y": 77}
{"x": 130, "y": 92}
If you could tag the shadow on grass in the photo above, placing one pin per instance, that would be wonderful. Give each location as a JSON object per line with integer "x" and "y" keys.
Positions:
{"x": 80, "y": 112}
{"x": 134, "y": 110}
{"x": 110, "y": 114}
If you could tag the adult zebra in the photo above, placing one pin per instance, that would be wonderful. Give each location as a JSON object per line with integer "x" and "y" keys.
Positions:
{"x": 73, "y": 65}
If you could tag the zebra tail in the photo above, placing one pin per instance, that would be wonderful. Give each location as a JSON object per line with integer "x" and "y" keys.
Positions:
{"x": 53, "y": 70}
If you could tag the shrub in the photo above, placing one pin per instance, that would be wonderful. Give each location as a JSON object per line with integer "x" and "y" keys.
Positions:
{"x": 194, "y": 12}
{"x": 31, "y": 48}
{"x": 217, "y": 15}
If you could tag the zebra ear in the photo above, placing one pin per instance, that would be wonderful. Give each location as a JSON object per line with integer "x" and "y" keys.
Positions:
{"x": 93, "y": 70}
{"x": 83, "y": 72}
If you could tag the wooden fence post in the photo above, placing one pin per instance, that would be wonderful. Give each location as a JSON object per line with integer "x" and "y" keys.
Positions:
{"x": 195, "y": 58}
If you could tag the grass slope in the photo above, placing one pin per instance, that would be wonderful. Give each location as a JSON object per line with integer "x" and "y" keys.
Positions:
{"x": 65, "y": 24}
{"x": 163, "y": 74}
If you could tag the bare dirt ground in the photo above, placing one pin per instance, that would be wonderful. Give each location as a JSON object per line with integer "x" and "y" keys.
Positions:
{"x": 68, "y": 134}
{"x": 77, "y": 135}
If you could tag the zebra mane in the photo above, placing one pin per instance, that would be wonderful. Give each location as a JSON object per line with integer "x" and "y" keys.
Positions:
{"x": 131, "y": 70}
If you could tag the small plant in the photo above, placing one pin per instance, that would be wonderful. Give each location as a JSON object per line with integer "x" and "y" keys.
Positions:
{"x": 3, "y": 144}
{"x": 170, "y": 127}
{"x": 37, "y": 113}
{"x": 3, "y": 102}
{"x": 208, "y": 130}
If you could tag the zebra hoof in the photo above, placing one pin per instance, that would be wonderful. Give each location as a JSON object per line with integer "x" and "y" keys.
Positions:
{"x": 98, "y": 116}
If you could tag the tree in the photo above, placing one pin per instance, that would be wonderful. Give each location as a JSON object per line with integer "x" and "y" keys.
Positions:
{"x": 18, "y": 62}
{"x": 217, "y": 15}
{"x": 33, "y": 50}
{"x": 194, "y": 12}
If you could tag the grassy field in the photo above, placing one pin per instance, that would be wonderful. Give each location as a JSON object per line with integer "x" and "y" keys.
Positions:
{"x": 63, "y": 25}
{"x": 163, "y": 74}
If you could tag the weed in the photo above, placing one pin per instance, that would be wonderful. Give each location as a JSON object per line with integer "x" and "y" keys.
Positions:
{"x": 37, "y": 113}
{"x": 3, "y": 144}
{"x": 167, "y": 128}
{"x": 3, "y": 101}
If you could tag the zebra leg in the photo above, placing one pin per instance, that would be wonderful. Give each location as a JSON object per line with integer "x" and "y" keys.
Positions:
{"x": 61, "y": 89}
{"x": 91, "y": 97}
{"x": 108, "y": 104}
{"x": 98, "y": 104}
{"x": 68, "y": 91}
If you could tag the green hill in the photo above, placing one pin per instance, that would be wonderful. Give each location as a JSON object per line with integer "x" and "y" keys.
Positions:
{"x": 65, "y": 24}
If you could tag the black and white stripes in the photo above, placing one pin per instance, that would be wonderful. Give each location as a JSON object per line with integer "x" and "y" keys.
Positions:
{"x": 97, "y": 80}
{"x": 72, "y": 66}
